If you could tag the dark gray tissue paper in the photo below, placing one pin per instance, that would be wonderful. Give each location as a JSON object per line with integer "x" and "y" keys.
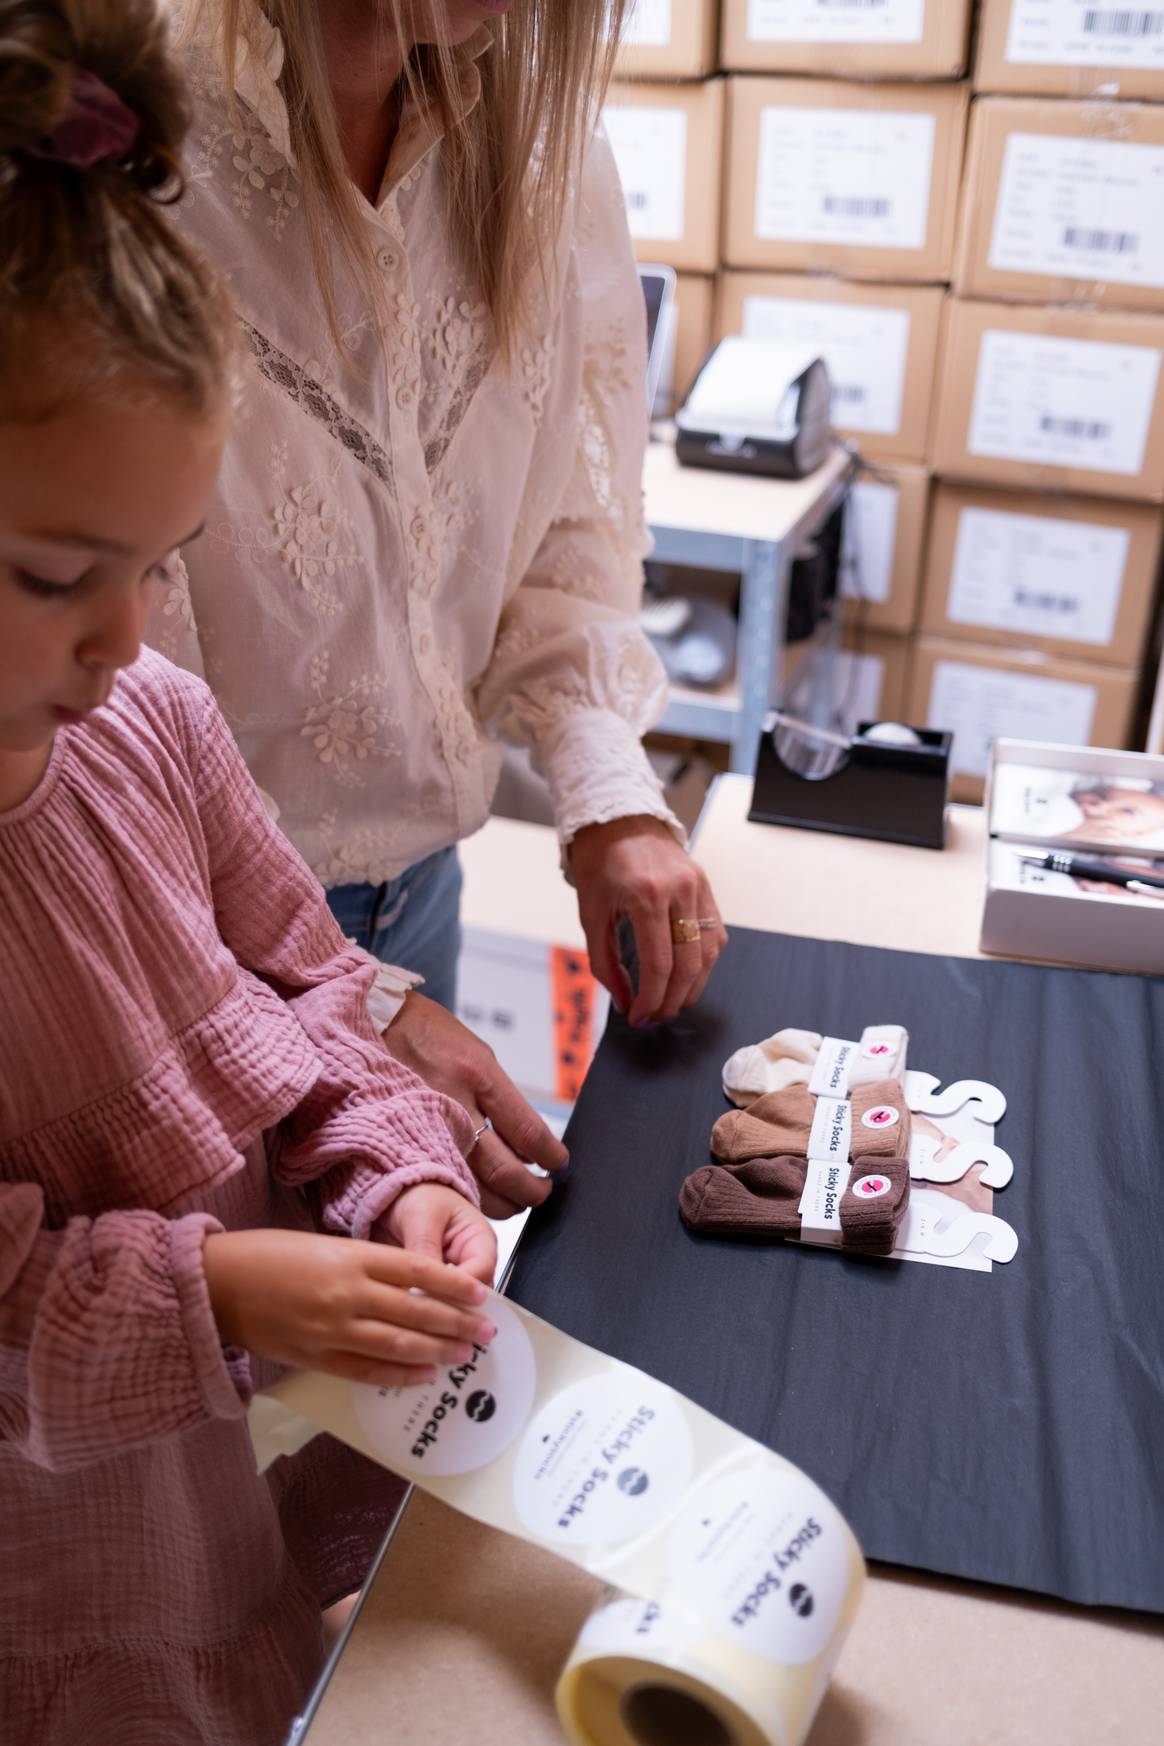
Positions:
{"x": 1004, "y": 1427}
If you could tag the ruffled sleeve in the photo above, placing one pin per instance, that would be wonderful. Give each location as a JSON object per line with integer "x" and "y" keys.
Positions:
{"x": 369, "y": 1127}
{"x": 107, "y": 1339}
{"x": 572, "y": 676}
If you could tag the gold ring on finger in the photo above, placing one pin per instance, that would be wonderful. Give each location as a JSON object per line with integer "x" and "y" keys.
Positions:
{"x": 685, "y": 930}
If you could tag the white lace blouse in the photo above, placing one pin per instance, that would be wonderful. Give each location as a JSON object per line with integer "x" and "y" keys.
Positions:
{"x": 413, "y": 550}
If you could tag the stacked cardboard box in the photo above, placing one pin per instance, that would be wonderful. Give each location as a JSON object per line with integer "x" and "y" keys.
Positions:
{"x": 1048, "y": 427}
{"x": 665, "y": 118}
{"x": 979, "y": 256}
{"x": 846, "y": 130}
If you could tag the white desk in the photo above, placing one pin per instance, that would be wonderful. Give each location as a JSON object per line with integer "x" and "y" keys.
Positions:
{"x": 462, "y": 1632}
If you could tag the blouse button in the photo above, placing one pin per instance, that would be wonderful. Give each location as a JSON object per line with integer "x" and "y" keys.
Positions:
{"x": 388, "y": 260}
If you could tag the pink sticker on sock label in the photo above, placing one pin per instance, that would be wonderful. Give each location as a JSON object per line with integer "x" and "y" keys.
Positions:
{"x": 882, "y": 1115}
{"x": 871, "y": 1187}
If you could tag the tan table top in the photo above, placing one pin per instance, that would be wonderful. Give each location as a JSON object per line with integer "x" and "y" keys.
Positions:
{"x": 463, "y": 1632}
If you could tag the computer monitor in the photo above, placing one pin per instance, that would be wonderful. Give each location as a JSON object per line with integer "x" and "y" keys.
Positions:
{"x": 658, "y": 285}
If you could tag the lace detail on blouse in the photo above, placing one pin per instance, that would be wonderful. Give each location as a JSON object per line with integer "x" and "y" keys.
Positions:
{"x": 318, "y": 404}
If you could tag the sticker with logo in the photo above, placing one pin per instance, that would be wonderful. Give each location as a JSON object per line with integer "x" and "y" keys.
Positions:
{"x": 882, "y": 1115}
{"x": 463, "y": 1420}
{"x": 622, "y": 1626}
{"x": 870, "y": 1187}
{"x": 604, "y": 1460}
{"x": 761, "y": 1556}
{"x": 879, "y": 1044}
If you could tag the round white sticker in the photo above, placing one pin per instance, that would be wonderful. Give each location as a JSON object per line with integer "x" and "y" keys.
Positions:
{"x": 882, "y": 1115}
{"x": 870, "y": 1187}
{"x": 877, "y": 1051}
{"x": 462, "y": 1420}
{"x": 761, "y": 1555}
{"x": 604, "y": 1460}
{"x": 635, "y": 1627}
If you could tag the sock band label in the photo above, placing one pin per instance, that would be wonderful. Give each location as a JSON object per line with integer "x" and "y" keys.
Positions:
{"x": 820, "y": 1204}
{"x": 830, "y": 1076}
{"x": 830, "y": 1138}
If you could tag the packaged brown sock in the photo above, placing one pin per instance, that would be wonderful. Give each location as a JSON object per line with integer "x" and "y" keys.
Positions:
{"x": 753, "y": 1199}
{"x": 777, "y": 1125}
{"x": 874, "y": 1203}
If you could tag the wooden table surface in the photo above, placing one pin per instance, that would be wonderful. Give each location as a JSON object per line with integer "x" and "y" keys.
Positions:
{"x": 463, "y": 1632}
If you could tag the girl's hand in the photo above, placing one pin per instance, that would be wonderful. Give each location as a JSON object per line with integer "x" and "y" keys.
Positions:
{"x": 433, "y": 1220}
{"x": 352, "y": 1309}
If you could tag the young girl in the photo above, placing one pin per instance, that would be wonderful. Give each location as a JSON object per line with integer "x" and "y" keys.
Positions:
{"x": 190, "y": 1089}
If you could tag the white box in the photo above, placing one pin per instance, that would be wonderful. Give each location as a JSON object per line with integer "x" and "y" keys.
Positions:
{"x": 1034, "y": 912}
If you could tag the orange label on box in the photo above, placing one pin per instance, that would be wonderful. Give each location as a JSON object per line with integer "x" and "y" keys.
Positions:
{"x": 573, "y": 990}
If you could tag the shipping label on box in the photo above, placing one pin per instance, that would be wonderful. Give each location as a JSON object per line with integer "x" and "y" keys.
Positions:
{"x": 1063, "y": 402}
{"x": 1037, "y": 575}
{"x": 648, "y": 24}
{"x": 870, "y": 541}
{"x": 854, "y": 177}
{"x": 1086, "y": 33}
{"x": 1081, "y": 208}
{"x": 836, "y": 21}
{"x": 981, "y": 704}
{"x": 650, "y": 149}
{"x": 864, "y": 346}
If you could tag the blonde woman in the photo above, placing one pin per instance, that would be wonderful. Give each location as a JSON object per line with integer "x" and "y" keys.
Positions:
{"x": 428, "y": 534}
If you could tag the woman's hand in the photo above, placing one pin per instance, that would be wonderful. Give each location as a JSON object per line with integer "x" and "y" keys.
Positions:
{"x": 447, "y": 1056}
{"x": 433, "y": 1220}
{"x": 352, "y": 1309}
{"x": 634, "y": 867}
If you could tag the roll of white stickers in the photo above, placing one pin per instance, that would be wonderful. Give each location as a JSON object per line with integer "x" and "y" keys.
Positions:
{"x": 464, "y": 1419}
{"x": 739, "y": 1578}
{"x": 601, "y": 1463}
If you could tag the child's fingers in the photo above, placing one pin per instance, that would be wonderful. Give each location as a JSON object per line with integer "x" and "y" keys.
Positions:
{"x": 402, "y": 1268}
{"x": 424, "y": 1315}
{"x": 387, "y": 1344}
{"x": 375, "y": 1374}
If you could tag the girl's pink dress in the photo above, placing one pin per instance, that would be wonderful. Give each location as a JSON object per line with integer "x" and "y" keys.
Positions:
{"x": 185, "y": 1048}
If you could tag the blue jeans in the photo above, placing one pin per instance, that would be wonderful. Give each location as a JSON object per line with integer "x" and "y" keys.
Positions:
{"x": 413, "y": 921}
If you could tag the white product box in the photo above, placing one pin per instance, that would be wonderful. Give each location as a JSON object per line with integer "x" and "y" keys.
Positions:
{"x": 1046, "y": 912}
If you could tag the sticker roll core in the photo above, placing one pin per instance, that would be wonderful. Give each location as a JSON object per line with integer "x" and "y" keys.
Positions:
{"x": 732, "y": 1579}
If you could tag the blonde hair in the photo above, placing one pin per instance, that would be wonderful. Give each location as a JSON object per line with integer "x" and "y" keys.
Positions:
{"x": 507, "y": 165}
{"x": 99, "y": 296}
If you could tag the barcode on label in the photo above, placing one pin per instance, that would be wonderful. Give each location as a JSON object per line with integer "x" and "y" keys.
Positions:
{"x": 1046, "y": 602}
{"x": 1113, "y": 242}
{"x": 849, "y": 392}
{"x": 1094, "y": 430}
{"x": 853, "y": 206}
{"x": 1101, "y": 23}
{"x": 636, "y": 200}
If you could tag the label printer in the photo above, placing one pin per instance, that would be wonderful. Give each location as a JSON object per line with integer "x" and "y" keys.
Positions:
{"x": 757, "y": 406}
